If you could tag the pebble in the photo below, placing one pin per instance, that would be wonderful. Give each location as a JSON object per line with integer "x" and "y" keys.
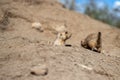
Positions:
{"x": 41, "y": 70}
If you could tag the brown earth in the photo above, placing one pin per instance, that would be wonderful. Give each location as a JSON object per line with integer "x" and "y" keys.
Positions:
{"x": 22, "y": 47}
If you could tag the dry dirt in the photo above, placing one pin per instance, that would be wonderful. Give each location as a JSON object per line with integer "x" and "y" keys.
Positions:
{"x": 22, "y": 47}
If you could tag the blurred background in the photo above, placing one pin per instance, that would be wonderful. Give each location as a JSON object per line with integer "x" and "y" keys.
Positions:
{"x": 107, "y": 11}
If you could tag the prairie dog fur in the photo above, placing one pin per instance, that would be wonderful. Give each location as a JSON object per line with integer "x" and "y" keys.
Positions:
{"x": 93, "y": 42}
{"x": 61, "y": 38}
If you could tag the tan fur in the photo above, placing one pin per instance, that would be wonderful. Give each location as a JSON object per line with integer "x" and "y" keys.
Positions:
{"x": 93, "y": 42}
{"x": 61, "y": 38}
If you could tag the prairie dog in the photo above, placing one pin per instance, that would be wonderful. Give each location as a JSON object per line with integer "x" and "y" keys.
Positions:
{"x": 61, "y": 38}
{"x": 93, "y": 42}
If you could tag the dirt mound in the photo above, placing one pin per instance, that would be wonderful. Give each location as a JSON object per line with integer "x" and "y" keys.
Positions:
{"x": 22, "y": 47}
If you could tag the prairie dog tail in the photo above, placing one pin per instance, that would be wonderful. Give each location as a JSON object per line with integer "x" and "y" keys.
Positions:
{"x": 99, "y": 39}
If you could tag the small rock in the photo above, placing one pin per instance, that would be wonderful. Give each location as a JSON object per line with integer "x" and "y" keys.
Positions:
{"x": 39, "y": 70}
{"x": 37, "y": 26}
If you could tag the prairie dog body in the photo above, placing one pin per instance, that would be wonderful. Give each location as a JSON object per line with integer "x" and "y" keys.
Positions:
{"x": 61, "y": 38}
{"x": 93, "y": 42}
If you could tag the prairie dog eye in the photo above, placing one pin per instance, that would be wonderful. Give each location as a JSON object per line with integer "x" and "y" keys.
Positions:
{"x": 66, "y": 32}
{"x": 60, "y": 34}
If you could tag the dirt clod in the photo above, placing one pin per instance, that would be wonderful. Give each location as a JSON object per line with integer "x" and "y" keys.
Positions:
{"x": 39, "y": 70}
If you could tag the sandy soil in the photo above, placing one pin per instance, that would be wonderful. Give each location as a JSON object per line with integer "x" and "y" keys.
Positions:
{"x": 22, "y": 47}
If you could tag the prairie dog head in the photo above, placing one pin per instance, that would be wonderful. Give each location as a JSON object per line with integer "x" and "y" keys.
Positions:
{"x": 84, "y": 44}
{"x": 64, "y": 35}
